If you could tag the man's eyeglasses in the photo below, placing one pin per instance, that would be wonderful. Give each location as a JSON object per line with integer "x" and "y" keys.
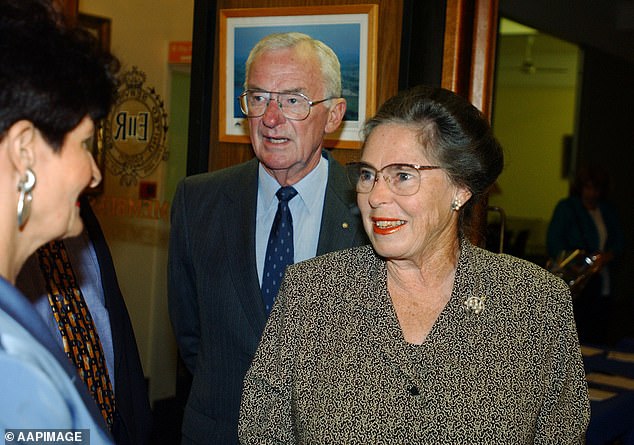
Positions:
{"x": 401, "y": 179}
{"x": 295, "y": 106}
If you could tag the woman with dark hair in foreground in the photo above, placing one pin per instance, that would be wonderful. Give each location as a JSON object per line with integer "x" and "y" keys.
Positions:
{"x": 55, "y": 83}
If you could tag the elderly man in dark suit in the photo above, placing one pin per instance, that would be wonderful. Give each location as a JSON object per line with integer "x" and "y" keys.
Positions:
{"x": 226, "y": 225}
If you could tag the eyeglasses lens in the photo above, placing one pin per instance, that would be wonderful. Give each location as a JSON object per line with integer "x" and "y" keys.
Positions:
{"x": 293, "y": 106}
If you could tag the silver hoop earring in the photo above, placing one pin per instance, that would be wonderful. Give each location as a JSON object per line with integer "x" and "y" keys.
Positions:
{"x": 456, "y": 204}
{"x": 25, "y": 187}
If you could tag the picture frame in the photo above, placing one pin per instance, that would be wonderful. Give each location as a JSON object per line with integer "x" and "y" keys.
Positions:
{"x": 350, "y": 30}
{"x": 100, "y": 28}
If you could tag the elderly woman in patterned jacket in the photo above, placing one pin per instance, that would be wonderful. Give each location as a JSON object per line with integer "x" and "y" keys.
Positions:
{"x": 421, "y": 337}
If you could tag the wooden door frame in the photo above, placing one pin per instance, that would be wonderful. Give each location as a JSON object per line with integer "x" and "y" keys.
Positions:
{"x": 70, "y": 9}
{"x": 469, "y": 50}
{"x": 468, "y": 69}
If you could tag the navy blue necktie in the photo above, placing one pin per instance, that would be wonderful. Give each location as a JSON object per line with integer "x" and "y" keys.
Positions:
{"x": 279, "y": 250}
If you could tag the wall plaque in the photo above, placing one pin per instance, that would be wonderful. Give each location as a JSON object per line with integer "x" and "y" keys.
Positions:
{"x": 135, "y": 131}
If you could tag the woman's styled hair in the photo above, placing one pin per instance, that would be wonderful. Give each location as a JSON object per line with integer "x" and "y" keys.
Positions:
{"x": 330, "y": 67}
{"x": 452, "y": 133}
{"x": 51, "y": 74}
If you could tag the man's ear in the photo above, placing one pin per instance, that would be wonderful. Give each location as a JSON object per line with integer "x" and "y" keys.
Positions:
{"x": 335, "y": 115}
{"x": 20, "y": 139}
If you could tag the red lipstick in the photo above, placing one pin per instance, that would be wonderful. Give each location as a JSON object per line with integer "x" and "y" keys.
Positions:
{"x": 386, "y": 226}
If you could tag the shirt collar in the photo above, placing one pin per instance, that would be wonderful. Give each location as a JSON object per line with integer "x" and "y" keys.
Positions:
{"x": 306, "y": 187}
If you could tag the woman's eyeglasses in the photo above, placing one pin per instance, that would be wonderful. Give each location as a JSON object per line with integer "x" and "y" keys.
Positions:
{"x": 401, "y": 179}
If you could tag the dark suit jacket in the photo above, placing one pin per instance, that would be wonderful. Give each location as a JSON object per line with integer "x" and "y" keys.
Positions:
{"x": 214, "y": 293}
{"x": 134, "y": 418}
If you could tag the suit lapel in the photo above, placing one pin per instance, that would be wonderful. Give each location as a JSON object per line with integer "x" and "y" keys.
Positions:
{"x": 106, "y": 267}
{"x": 241, "y": 198}
{"x": 340, "y": 223}
{"x": 340, "y": 228}
{"x": 109, "y": 282}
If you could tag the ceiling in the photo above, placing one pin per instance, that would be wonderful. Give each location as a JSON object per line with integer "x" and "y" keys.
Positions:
{"x": 604, "y": 25}
{"x": 527, "y": 57}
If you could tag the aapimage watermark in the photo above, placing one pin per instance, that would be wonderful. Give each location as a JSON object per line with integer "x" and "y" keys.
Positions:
{"x": 46, "y": 436}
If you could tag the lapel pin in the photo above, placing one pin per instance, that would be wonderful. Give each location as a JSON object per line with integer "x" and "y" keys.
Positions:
{"x": 475, "y": 304}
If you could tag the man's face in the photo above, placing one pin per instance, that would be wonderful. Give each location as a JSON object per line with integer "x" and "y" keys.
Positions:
{"x": 290, "y": 149}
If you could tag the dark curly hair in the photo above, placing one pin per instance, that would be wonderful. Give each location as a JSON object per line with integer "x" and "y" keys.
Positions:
{"x": 51, "y": 74}
{"x": 452, "y": 132}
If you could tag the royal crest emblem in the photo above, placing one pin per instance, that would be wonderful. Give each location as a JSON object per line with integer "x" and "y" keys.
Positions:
{"x": 135, "y": 131}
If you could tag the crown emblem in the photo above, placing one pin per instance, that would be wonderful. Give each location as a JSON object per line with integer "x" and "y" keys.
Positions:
{"x": 134, "y": 79}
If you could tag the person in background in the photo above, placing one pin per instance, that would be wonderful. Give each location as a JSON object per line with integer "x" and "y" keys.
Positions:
{"x": 420, "y": 337}
{"x": 587, "y": 221}
{"x": 92, "y": 264}
{"x": 55, "y": 83}
{"x": 294, "y": 197}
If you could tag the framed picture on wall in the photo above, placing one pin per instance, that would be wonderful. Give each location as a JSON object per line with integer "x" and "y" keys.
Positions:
{"x": 98, "y": 26}
{"x": 350, "y": 30}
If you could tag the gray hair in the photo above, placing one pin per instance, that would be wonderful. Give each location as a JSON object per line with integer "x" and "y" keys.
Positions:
{"x": 330, "y": 67}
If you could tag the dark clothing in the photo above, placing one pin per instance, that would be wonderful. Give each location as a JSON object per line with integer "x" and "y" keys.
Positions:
{"x": 133, "y": 421}
{"x": 133, "y": 417}
{"x": 572, "y": 227}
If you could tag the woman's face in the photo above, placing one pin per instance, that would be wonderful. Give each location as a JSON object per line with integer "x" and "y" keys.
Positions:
{"x": 61, "y": 177}
{"x": 407, "y": 227}
{"x": 590, "y": 195}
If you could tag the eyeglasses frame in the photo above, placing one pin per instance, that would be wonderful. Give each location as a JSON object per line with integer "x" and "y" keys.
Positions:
{"x": 311, "y": 103}
{"x": 387, "y": 181}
